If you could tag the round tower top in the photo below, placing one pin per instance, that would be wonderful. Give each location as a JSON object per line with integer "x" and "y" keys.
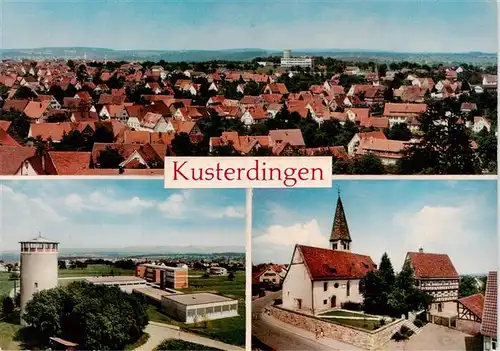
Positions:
{"x": 39, "y": 240}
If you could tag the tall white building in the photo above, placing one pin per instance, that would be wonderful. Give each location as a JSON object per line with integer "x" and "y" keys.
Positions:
{"x": 38, "y": 268}
{"x": 290, "y": 61}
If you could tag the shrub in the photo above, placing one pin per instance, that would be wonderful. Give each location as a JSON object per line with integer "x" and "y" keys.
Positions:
{"x": 398, "y": 336}
{"x": 7, "y": 305}
{"x": 352, "y": 306}
{"x": 404, "y": 329}
{"x": 382, "y": 322}
{"x": 418, "y": 323}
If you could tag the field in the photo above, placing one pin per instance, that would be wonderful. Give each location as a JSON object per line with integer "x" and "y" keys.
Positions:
{"x": 9, "y": 330}
{"x": 228, "y": 330}
{"x": 94, "y": 270}
{"x": 6, "y": 285}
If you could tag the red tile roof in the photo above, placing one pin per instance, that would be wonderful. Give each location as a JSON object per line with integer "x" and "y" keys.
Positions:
{"x": 474, "y": 303}
{"x": 5, "y": 125}
{"x": 432, "y": 265}
{"x": 12, "y": 157}
{"x": 326, "y": 264}
{"x": 6, "y": 139}
{"x": 490, "y": 311}
{"x": 69, "y": 162}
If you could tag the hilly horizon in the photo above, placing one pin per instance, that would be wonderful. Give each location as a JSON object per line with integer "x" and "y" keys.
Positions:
{"x": 238, "y": 54}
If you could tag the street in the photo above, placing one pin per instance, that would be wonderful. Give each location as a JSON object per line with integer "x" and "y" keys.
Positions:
{"x": 274, "y": 336}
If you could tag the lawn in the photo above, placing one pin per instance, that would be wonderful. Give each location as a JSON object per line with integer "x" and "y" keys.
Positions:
{"x": 94, "y": 270}
{"x": 6, "y": 285}
{"x": 358, "y": 323}
{"x": 9, "y": 330}
{"x": 176, "y": 344}
{"x": 228, "y": 330}
{"x": 219, "y": 284}
{"x": 341, "y": 313}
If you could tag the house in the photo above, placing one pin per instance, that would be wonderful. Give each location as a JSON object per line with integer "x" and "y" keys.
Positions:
{"x": 470, "y": 312}
{"x": 490, "y": 82}
{"x": 352, "y": 70}
{"x": 435, "y": 275}
{"x": 411, "y": 93}
{"x": 253, "y": 114}
{"x": 468, "y": 107}
{"x": 53, "y": 103}
{"x": 276, "y": 88}
{"x": 353, "y": 144}
{"x": 403, "y": 112}
{"x": 480, "y": 123}
{"x": 388, "y": 151}
{"x": 270, "y": 273}
{"x": 320, "y": 279}
{"x": 145, "y": 156}
{"x": 489, "y": 320}
{"x": 154, "y": 122}
{"x": 37, "y": 111}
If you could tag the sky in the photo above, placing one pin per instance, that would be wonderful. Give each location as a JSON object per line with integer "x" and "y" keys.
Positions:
{"x": 458, "y": 218}
{"x": 393, "y": 25}
{"x": 119, "y": 213}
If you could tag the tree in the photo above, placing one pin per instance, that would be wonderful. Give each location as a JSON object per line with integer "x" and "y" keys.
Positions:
{"x": 97, "y": 317}
{"x": 104, "y": 132}
{"x": 386, "y": 271}
{"x": 7, "y": 305}
{"x": 110, "y": 158}
{"x": 20, "y": 125}
{"x": 224, "y": 150}
{"x": 230, "y": 276}
{"x": 368, "y": 164}
{"x": 62, "y": 264}
{"x": 468, "y": 286}
{"x": 445, "y": 147}
{"x": 24, "y": 93}
{"x": 487, "y": 151}
{"x": 399, "y": 131}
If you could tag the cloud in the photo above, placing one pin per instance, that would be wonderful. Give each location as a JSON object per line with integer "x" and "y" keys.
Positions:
{"x": 300, "y": 233}
{"x": 18, "y": 204}
{"x": 175, "y": 206}
{"x": 184, "y": 204}
{"x": 434, "y": 226}
{"x": 97, "y": 201}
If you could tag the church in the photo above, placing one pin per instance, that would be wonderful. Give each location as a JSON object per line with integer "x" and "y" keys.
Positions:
{"x": 320, "y": 279}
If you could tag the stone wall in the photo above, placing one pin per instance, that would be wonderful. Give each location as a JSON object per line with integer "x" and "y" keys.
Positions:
{"x": 370, "y": 340}
{"x": 468, "y": 327}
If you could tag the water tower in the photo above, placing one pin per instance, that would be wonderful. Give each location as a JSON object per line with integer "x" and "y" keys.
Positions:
{"x": 287, "y": 54}
{"x": 38, "y": 267}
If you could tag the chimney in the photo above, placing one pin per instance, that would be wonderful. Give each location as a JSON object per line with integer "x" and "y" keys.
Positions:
{"x": 421, "y": 250}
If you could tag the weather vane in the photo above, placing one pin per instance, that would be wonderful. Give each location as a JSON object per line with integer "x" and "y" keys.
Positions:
{"x": 338, "y": 190}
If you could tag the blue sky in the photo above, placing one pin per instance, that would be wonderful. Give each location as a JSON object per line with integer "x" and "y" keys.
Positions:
{"x": 458, "y": 218}
{"x": 119, "y": 213}
{"x": 399, "y": 25}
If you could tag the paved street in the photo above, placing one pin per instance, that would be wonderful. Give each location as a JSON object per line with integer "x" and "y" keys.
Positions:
{"x": 281, "y": 336}
{"x": 159, "y": 332}
{"x": 438, "y": 338}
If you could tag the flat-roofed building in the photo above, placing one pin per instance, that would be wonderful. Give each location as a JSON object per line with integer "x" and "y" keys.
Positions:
{"x": 198, "y": 307}
{"x": 125, "y": 283}
{"x": 300, "y": 61}
{"x": 165, "y": 276}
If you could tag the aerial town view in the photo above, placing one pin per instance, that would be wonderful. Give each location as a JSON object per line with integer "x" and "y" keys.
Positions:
{"x": 69, "y": 106}
{"x": 149, "y": 271}
{"x": 376, "y": 265}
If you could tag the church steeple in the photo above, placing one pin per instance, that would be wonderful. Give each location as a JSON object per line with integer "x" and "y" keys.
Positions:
{"x": 340, "y": 237}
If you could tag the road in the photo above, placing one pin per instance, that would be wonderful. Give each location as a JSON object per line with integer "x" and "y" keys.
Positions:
{"x": 159, "y": 332}
{"x": 275, "y": 336}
